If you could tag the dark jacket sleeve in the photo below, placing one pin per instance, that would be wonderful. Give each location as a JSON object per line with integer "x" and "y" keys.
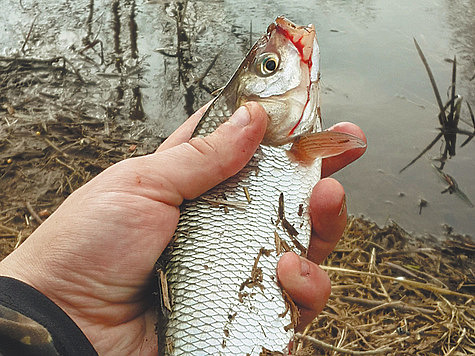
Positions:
{"x": 31, "y": 324}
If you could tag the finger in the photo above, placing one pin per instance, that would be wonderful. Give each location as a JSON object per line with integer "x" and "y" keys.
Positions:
{"x": 334, "y": 164}
{"x": 306, "y": 283}
{"x": 189, "y": 169}
{"x": 328, "y": 215}
{"x": 184, "y": 132}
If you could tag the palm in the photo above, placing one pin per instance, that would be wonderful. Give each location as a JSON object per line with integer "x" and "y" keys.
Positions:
{"x": 108, "y": 280}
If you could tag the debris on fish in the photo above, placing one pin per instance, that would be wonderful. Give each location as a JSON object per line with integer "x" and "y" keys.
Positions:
{"x": 221, "y": 266}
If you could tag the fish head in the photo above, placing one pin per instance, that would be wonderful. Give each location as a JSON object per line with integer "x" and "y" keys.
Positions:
{"x": 281, "y": 72}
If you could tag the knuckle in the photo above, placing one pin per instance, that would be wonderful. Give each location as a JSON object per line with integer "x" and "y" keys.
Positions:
{"x": 211, "y": 155}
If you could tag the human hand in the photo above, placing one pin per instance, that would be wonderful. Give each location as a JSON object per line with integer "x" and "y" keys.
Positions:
{"x": 94, "y": 256}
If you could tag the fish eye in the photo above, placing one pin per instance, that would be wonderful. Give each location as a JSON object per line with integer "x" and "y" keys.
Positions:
{"x": 267, "y": 64}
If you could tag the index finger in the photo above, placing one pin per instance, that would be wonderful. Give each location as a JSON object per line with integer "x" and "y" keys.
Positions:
{"x": 333, "y": 164}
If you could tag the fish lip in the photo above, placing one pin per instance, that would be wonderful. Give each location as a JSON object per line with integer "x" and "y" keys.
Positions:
{"x": 304, "y": 43}
{"x": 307, "y": 45}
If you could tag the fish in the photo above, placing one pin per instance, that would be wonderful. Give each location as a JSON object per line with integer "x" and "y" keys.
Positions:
{"x": 218, "y": 285}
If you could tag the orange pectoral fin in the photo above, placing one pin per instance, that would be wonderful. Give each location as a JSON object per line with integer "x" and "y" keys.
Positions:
{"x": 322, "y": 145}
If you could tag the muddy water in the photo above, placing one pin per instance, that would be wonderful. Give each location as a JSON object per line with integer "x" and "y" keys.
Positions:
{"x": 137, "y": 68}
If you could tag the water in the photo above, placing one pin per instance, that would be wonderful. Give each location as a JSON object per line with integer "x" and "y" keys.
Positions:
{"x": 371, "y": 75}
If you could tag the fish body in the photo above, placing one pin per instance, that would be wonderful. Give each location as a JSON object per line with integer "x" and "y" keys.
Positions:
{"x": 221, "y": 306}
{"x": 221, "y": 273}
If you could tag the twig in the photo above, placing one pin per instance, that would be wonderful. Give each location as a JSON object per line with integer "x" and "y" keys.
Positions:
{"x": 326, "y": 346}
{"x": 9, "y": 229}
{"x": 19, "y": 240}
{"x": 222, "y": 202}
{"x": 298, "y": 346}
{"x": 163, "y": 51}
{"x": 373, "y": 262}
{"x": 404, "y": 270}
{"x": 199, "y": 81}
{"x": 473, "y": 124}
{"x": 56, "y": 148}
{"x": 453, "y": 96}
{"x": 164, "y": 290}
{"x": 399, "y": 305}
{"x": 65, "y": 164}
{"x": 401, "y": 269}
{"x": 393, "y": 253}
{"x": 67, "y": 61}
{"x": 442, "y": 118}
{"x": 378, "y": 304}
{"x": 33, "y": 213}
{"x": 28, "y": 35}
{"x": 425, "y": 286}
{"x": 30, "y": 60}
{"x": 250, "y": 35}
{"x": 439, "y": 135}
{"x": 459, "y": 341}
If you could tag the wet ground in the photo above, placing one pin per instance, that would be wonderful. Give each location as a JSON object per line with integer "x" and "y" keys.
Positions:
{"x": 81, "y": 77}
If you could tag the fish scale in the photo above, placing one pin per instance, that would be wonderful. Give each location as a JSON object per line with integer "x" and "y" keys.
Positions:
{"x": 221, "y": 265}
{"x": 214, "y": 253}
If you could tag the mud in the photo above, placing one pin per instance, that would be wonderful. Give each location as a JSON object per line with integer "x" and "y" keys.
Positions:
{"x": 51, "y": 142}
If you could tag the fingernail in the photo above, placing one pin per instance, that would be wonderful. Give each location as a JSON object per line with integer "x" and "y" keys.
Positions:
{"x": 338, "y": 124}
{"x": 304, "y": 267}
{"x": 241, "y": 117}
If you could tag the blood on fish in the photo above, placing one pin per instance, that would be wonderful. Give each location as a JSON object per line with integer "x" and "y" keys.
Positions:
{"x": 300, "y": 46}
{"x": 303, "y": 111}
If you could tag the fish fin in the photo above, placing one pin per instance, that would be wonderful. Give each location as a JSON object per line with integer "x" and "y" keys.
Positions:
{"x": 322, "y": 145}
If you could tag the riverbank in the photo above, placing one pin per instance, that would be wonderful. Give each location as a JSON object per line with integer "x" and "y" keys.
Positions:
{"x": 71, "y": 105}
{"x": 393, "y": 293}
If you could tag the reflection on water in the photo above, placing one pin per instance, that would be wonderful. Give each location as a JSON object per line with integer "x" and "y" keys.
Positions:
{"x": 130, "y": 51}
{"x": 460, "y": 19}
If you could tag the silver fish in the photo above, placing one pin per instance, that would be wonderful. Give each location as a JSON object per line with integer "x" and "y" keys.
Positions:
{"x": 221, "y": 273}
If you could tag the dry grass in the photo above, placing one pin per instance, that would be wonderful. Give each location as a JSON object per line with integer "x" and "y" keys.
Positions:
{"x": 393, "y": 295}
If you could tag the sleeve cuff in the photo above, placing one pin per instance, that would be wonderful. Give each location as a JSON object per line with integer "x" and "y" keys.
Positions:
{"x": 31, "y": 324}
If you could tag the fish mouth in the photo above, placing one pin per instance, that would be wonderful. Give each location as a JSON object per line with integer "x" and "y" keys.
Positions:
{"x": 304, "y": 38}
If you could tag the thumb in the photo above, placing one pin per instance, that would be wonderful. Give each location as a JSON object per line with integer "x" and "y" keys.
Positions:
{"x": 191, "y": 168}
